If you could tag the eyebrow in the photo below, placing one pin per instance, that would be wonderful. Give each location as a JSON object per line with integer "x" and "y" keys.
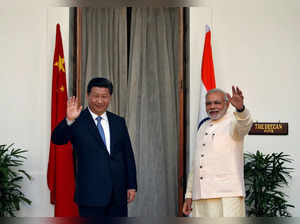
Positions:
{"x": 215, "y": 102}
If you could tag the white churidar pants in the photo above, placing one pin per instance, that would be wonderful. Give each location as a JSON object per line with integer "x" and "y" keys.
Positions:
{"x": 219, "y": 207}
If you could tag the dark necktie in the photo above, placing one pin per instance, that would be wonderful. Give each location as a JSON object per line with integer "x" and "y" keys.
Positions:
{"x": 100, "y": 129}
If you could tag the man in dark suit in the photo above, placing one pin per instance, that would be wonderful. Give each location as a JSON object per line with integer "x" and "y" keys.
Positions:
{"x": 106, "y": 171}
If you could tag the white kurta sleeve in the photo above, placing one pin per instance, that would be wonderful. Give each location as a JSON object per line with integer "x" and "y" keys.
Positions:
{"x": 243, "y": 123}
{"x": 189, "y": 186}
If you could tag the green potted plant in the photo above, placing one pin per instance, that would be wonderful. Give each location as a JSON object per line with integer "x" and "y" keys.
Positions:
{"x": 266, "y": 175}
{"x": 11, "y": 177}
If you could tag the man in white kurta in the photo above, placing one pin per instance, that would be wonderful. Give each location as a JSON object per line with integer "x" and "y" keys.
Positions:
{"x": 216, "y": 181}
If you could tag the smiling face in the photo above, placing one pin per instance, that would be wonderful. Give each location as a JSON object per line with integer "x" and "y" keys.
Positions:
{"x": 216, "y": 106}
{"x": 98, "y": 100}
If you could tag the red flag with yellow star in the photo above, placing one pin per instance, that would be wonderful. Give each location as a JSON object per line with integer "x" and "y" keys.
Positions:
{"x": 60, "y": 176}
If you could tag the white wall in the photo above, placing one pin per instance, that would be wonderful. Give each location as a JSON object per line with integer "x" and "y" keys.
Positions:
{"x": 27, "y": 46}
{"x": 255, "y": 46}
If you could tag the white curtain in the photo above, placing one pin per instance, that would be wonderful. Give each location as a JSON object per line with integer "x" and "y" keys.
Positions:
{"x": 153, "y": 109}
{"x": 104, "y": 52}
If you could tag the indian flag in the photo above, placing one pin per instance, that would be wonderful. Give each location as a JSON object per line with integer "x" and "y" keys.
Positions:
{"x": 207, "y": 74}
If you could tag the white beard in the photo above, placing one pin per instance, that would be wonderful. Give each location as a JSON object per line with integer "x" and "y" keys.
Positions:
{"x": 217, "y": 116}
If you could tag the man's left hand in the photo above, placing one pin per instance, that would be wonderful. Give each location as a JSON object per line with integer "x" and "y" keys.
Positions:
{"x": 130, "y": 195}
{"x": 237, "y": 98}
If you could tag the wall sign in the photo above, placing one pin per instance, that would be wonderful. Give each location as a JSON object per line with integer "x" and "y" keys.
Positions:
{"x": 270, "y": 128}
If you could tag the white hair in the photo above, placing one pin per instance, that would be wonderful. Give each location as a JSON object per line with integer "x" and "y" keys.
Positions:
{"x": 217, "y": 90}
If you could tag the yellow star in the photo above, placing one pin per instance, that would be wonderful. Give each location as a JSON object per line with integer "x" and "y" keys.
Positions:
{"x": 60, "y": 64}
{"x": 62, "y": 88}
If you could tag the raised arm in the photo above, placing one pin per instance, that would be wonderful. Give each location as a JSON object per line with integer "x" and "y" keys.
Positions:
{"x": 243, "y": 118}
{"x": 73, "y": 109}
{"x": 62, "y": 133}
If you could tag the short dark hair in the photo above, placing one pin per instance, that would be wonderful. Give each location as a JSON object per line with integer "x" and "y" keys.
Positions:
{"x": 100, "y": 82}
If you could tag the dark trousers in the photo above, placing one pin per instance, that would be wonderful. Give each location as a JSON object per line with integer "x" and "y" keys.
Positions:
{"x": 113, "y": 209}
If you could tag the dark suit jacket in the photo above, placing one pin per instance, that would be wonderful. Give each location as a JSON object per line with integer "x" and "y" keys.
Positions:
{"x": 99, "y": 173}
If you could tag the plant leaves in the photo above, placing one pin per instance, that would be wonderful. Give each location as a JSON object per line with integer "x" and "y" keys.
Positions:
{"x": 265, "y": 176}
{"x": 11, "y": 179}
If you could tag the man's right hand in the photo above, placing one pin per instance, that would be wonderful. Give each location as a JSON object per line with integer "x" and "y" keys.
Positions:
{"x": 73, "y": 108}
{"x": 187, "y": 206}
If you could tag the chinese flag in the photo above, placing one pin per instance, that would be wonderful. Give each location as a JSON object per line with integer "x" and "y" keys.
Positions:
{"x": 60, "y": 176}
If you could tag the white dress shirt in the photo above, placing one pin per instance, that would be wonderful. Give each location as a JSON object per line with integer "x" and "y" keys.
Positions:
{"x": 105, "y": 125}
